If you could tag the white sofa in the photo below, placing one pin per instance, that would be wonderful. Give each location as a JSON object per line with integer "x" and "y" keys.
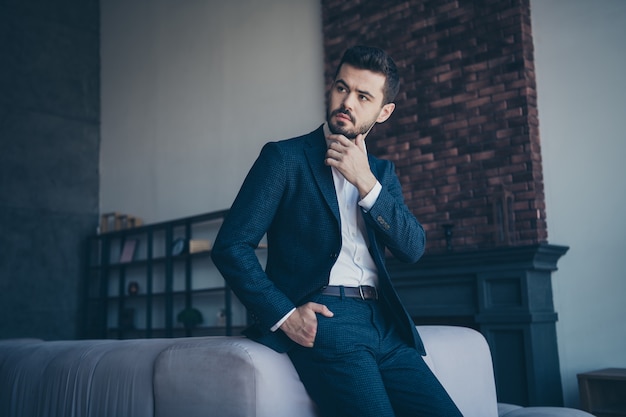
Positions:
{"x": 213, "y": 376}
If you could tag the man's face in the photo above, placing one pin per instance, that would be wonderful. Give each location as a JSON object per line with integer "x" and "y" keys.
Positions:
{"x": 355, "y": 103}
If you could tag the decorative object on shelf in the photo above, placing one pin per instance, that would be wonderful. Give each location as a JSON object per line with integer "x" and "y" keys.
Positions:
{"x": 447, "y": 231}
{"x": 190, "y": 317}
{"x": 221, "y": 317}
{"x": 118, "y": 221}
{"x": 128, "y": 251}
{"x": 133, "y": 288}
{"x": 179, "y": 246}
{"x": 199, "y": 245}
{"x": 182, "y": 245}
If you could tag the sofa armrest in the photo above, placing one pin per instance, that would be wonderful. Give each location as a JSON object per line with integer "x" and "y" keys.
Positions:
{"x": 461, "y": 359}
{"x": 227, "y": 376}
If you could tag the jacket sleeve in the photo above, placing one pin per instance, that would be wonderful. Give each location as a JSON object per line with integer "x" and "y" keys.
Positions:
{"x": 394, "y": 224}
{"x": 245, "y": 225}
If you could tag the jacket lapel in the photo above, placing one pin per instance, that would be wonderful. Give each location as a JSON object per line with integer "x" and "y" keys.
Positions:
{"x": 315, "y": 153}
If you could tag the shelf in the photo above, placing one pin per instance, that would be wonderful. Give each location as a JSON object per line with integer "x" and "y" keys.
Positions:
{"x": 155, "y": 260}
{"x": 167, "y": 282}
{"x": 164, "y": 294}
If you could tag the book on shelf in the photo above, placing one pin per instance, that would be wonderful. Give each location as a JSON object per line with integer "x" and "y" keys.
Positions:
{"x": 199, "y": 245}
{"x": 128, "y": 251}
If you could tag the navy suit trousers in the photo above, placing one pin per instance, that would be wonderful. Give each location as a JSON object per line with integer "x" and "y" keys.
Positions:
{"x": 359, "y": 366}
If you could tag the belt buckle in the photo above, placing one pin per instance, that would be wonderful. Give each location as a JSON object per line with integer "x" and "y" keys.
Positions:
{"x": 361, "y": 292}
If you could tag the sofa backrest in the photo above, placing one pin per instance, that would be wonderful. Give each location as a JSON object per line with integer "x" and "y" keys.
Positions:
{"x": 204, "y": 376}
{"x": 87, "y": 378}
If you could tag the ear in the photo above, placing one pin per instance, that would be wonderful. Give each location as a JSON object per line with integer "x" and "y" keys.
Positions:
{"x": 385, "y": 112}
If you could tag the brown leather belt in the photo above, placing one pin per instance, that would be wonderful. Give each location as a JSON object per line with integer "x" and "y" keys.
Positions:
{"x": 364, "y": 292}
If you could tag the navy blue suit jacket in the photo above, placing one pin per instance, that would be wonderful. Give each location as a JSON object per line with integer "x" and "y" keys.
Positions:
{"x": 290, "y": 195}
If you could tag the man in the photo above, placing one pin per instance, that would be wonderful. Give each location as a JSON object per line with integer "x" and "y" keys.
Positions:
{"x": 330, "y": 211}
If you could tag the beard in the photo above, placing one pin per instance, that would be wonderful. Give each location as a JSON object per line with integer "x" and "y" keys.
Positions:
{"x": 340, "y": 128}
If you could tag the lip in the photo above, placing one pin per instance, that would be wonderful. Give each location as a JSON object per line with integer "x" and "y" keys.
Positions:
{"x": 343, "y": 117}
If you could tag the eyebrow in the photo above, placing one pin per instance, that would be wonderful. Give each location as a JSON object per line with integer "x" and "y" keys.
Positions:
{"x": 363, "y": 92}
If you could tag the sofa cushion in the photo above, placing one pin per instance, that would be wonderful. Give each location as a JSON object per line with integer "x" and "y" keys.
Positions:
{"x": 546, "y": 412}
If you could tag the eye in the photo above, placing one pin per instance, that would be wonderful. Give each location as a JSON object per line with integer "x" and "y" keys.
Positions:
{"x": 364, "y": 98}
{"x": 341, "y": 89}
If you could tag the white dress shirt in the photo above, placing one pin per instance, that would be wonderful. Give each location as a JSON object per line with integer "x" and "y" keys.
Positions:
{"x": 354, "y": 266}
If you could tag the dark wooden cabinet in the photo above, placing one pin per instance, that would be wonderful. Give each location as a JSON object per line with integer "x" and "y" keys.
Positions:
{"x": 150, "y": 281}
{"x": 603, "y": 392}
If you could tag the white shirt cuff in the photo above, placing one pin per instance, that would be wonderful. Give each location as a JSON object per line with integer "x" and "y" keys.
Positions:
{"x": 281, "y": 321}
{"x": 368, "y": 201}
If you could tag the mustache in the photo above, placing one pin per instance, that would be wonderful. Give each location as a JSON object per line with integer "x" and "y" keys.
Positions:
{"x": 343, "y": 111}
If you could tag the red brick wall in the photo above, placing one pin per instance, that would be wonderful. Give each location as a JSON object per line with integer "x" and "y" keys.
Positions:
{"x": 464, "y": 135}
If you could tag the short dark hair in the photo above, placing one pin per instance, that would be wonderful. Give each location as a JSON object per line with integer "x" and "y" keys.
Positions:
{"x": 375, "y": 60}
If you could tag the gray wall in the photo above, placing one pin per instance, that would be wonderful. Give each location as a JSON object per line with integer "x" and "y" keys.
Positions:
{"x": 192, "y": 90}
{"x": 49, "y": 140}
{"x": 580, "y": 61}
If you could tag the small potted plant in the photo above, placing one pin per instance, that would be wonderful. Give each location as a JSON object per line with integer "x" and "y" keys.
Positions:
{"x": 190, "y": 317}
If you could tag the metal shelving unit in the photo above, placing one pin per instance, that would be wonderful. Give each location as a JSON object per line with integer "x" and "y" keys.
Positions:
{"x": 139, "y": 280}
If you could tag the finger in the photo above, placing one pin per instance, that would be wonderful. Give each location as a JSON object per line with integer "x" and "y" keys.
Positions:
{"x": 326, "y": 312}
{"x": 333, "y": 154}
{"x": 340, "y": 139}
{"x": 336, "y": 147}
{"x": 321, "y": 308}
{"x": 307, "y": 343}
{"x": 332, "y": 162}
{"x": 360, "y": 141}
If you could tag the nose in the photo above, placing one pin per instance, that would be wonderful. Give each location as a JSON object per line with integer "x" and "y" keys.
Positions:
{"x": 348, "y": 101}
